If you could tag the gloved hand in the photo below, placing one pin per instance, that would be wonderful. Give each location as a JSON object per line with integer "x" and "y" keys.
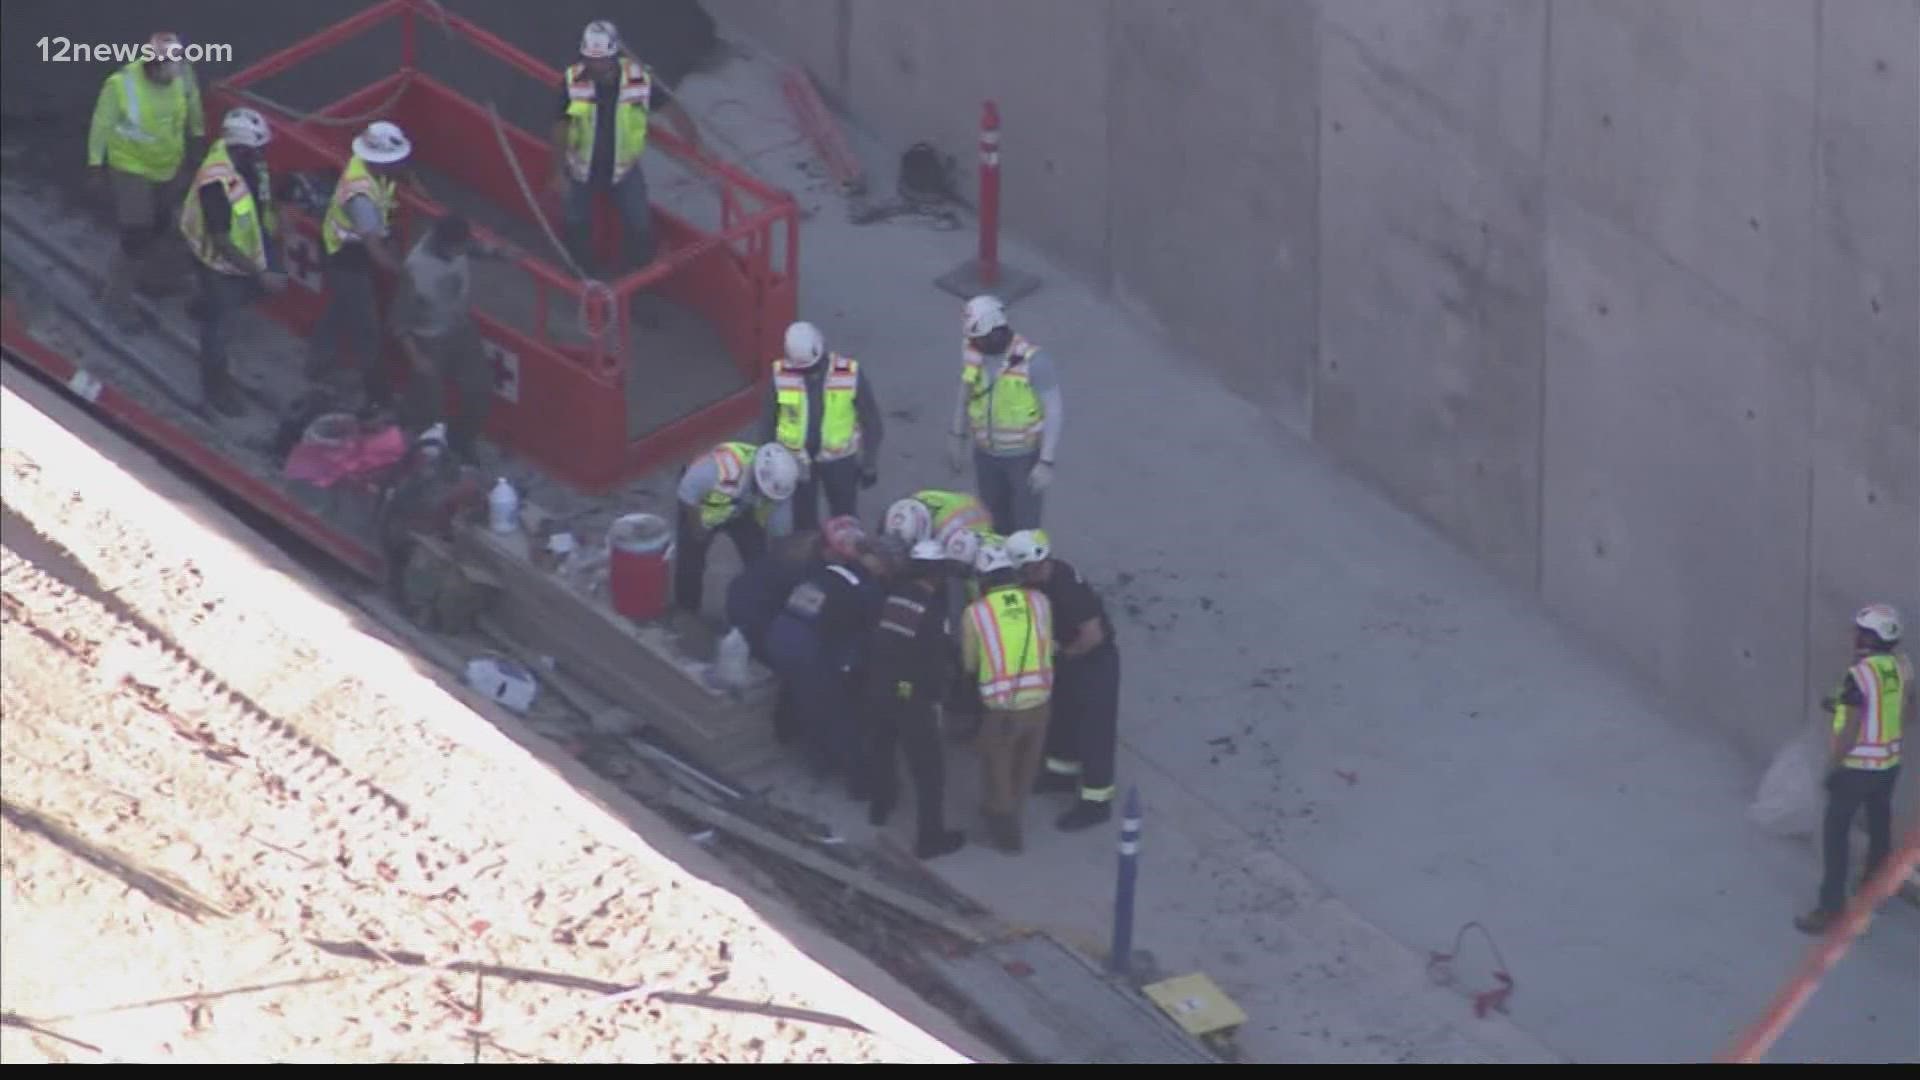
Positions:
{"x": 869, "y": 476}
{"x": 956, "y": 452}
{"x": 1040, "y": 477}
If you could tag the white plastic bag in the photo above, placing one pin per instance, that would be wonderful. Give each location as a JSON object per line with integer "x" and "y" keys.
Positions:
{"x": 1789, "y": 801}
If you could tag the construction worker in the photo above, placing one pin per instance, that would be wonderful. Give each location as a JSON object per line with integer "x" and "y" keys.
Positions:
{"x": 758, "y": 594}
{"x": 821, "y": 406}
{"x": 936, "y": 515}
{"x": 606, "y": 98}
{"x": 1084, "y": 736}
{"x": 355, "y": 236}
{"x": 909, "y": 660}
{"x": 432, "y": 317}
{"x": 1007, "y": 644}
{"x": 230, "y": 227}
{"x": 1010, "y": 400}
{"x": 135, "y": 147}
{"x": 815, "y": 645}
{"x": 737, "y": 489}
{"x": 1868, "y": 707}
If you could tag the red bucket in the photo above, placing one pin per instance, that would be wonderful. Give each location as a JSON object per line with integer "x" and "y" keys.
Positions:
{"x": 639, "y": 549}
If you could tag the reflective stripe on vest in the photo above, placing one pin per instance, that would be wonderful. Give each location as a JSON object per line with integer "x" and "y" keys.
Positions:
{"x": 954, "y": 510}
{"x": 1014, "y": 626}
{"x": 1005, "y": 415}
{"x": 1883, "y": 680}
{"x": 839, "y": 421}
{"x": 151, "y": 137}
{"x": 629, "y": 124}
{"x": 337, "y": 228}
{"x": 733, "y": 463}
{"x": 248, "y": 220}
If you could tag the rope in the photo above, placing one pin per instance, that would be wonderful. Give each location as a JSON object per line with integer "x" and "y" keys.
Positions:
{"x": 406, "y": 82}
{"x": 1486, "y": 1001}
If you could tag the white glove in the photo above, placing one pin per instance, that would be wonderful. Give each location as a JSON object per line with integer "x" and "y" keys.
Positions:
{"x": 1040, "y": 477}
{"x": 956, "y": 452}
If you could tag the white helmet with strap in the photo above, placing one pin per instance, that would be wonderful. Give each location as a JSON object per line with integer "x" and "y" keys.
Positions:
{"x": 599, "y": 40}
{"x": 1029, "y": 546}
{"x": 929, "y": 551}
{"x": 963, "y": 547}
{"x": 984, "y": 315}
{"x": 1881, "y": 620}
{"x": 805, "y": 345}
{"x": 909, "y": 520}
{"x": 245, "y": 127}
{"x": 383, "y": 143}
{"x": 993, "y": 556}
{"x": 775, "y": 472}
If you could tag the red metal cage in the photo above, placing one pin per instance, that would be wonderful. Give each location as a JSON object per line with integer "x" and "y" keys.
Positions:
{"x": 568, "y": 407}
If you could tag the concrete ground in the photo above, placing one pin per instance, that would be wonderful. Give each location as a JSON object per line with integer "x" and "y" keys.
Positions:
{"x": 1349, "y": 739}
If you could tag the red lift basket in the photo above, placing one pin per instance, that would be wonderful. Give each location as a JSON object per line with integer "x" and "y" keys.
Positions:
{"x": 564, "y": 402}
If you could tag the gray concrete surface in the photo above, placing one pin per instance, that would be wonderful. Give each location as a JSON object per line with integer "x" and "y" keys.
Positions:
{"x": 1621, "y": 297}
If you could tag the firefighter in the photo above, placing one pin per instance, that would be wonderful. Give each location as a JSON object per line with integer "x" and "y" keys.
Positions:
{"x": 607, "y": 97}
{"x": 137, "y": 142}
{"x": 230, "y": 227}
{"x": 934, "y": 514}
{"x": 909, "y": 659}
{"x": 821, "y": 406}
{"x": 1084, "y": 736}
{"x": 1007, "y": 645}
{"x": 737, "y": 489}
{"x": 1011, "y": 403}
{"x": 1869, "y": 708}
{"x": 815, "y": 645}
{"x": 355, "y": 233}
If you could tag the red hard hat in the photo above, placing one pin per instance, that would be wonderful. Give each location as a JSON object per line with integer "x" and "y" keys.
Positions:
{"x": 843, "y": 535}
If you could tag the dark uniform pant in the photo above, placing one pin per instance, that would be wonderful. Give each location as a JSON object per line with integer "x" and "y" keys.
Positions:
{"x": 841, "y": 482}
{"x": 222, "y": 298}
{"x": 1002, "y": 483}
{"x": 1848, "y": 792}
{"x": 819, "y": 699}
{"x": 912, "y": 726}
{"x": 691, "y": 541}
{"x": 1085, "y": 734}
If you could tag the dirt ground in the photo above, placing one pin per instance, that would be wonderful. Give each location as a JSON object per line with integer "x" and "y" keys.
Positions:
{"x": 229, "y": 835}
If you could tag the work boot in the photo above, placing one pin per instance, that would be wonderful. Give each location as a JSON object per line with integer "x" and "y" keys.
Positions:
{"x": 945, "y": 842}
{"x": 1054, "y": 783}
{"x": 1816, "y": 922}
{"x": 1085, "y": 815}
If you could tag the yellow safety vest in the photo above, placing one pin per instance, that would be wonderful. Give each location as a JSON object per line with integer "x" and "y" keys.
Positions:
{"x": 839, "y": 422}
{"x": 150, "y": 138}
{"x": 629, "y": 125}
{"x": 1014, "y": 628}
{"x": 248, "y": 225}
{"x": 1883, "y": 679}
{"x": 336, "y": 229}
{"x": 735, "y": 467}
{"x": 1006, "y": 416}
{"x": 953, "y": 511}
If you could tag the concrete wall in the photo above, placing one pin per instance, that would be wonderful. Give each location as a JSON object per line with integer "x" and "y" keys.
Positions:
{"x": 1621, "y": 295}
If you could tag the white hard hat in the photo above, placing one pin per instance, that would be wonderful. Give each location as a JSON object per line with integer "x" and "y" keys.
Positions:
{"x": 383, "y": 143}
{"x": 599, "y": 39}
{"x": 1029, "y": 546}
{"x": 775, "y": 472}
{"x": 993, "y": 556}
{"x": 805, "y": 346}
{"x": 245, "y": 127}
{"x": 963, "y": 546}
{"x": 929, "y": 551}
{"x": 985, "y": 314}
{"x": 1881, "y": 619}
{"x": 910, "y": 520}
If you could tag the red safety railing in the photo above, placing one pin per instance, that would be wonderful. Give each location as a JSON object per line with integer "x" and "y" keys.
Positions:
{"x": 561, "y": 399}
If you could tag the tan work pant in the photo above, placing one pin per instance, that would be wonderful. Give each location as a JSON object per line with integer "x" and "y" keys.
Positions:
{"x": 1011, "y": 746}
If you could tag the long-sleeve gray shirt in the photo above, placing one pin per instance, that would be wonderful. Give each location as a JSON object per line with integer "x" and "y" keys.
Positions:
{"x": 866, "y": 409}
{"x": 703, "y": 476}
{"x": 1044, "y": 379}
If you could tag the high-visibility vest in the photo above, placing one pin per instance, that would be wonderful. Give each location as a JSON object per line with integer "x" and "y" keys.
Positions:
{"x": 1007, "y": 416}
{"x": 629, "y": 125}
{"x": 734, "y": 465}
{"x": 151, "y": 138}
{"x": 336, "y": 229}
{"x": 1883, "y": 679}
{"x": 839, "y": 422}
{"x": 1014, "y": 628}
{"x": 248, "y": 222}
{"x": 953, "y": 511}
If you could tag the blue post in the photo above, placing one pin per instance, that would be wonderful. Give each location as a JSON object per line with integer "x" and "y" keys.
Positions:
{"x": 1121, "y": 955}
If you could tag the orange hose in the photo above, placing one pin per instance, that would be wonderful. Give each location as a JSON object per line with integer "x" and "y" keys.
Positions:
{"x": 1754, "y": 1043}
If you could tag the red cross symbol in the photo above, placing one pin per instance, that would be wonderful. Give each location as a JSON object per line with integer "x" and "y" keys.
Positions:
{"x": 506, "y": 371}
{"x": 303, "y": 261}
